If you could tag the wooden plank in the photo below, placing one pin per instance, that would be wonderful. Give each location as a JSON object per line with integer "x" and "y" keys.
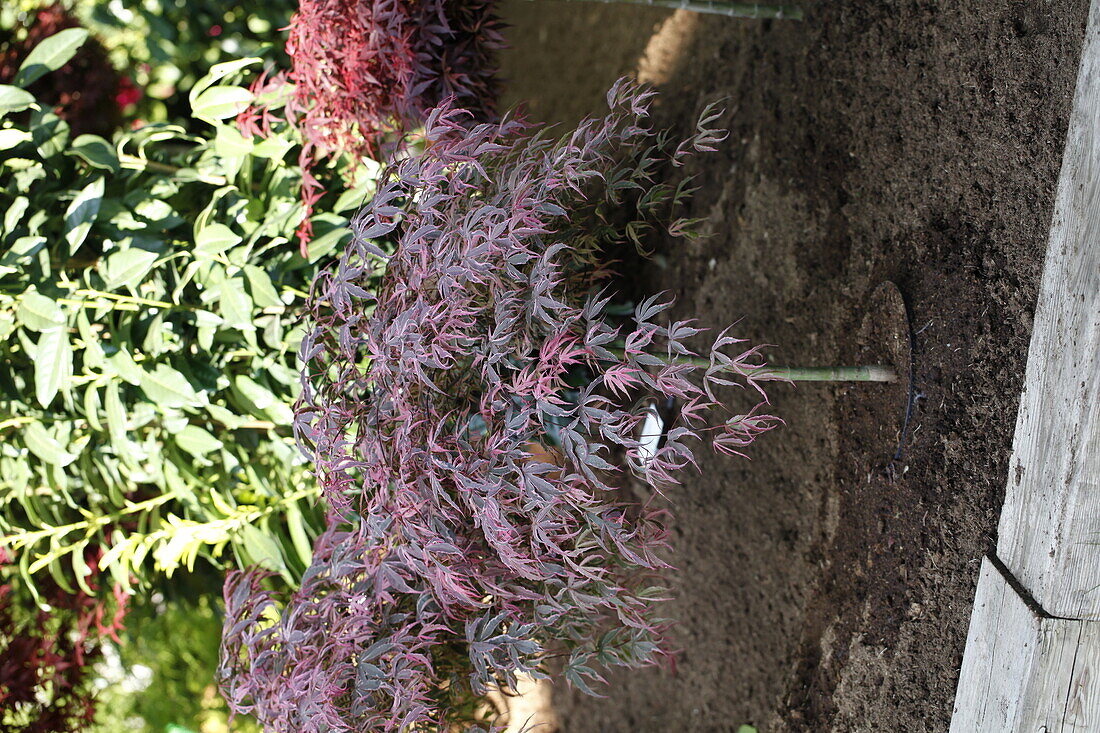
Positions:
{"x": 1032, "y": 659}
{"x": 1049, "y": 534}
{"x": 1023, "y": 672}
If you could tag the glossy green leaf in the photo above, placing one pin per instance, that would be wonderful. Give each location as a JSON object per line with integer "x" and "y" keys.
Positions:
{"x": 262, "y": 289}
{"x": 96, "y": 152}
{"x": 53, "y": 364}
{"x": 214, "y": 239}
{"x": 298, "y": 534}
{"x": 218, "y": 72}
{"x": 229, "y": 419}
{"x": 50, "y": 55}
{"x": 256, "y": 393}
{"x": 82, "y": 213}
{"x": 39, "y": 313}
{"x": 263, "y": 549}
{"x": 45, "y": 446}
{"x": 264, "y": 400}
{"x": 26, "y": 176}
{"x": 355, "y": 197}
{"x": 94, "y": 356}
{"x": 124, "y": 366}
{"x": 127, "y": 268}
{"x": 230, "y": 143}
{"x": 15, "y": 213}
{"x": 92, "y": 407}
{"x": 197, "y": 441}
{"x": 21, "y": 251}
{"x": 14, "y": 99}
{"x": 80, "y": 567}
{"x": 165, "y": 386}
{"x": 234, "y": 305}
{"x": 116, "y": 414}
{"x": 51, "y": 135}
{"x": 10, "y": 138}
{"x": 273, "y": 148}
{"x": 220, "y": 102}
{"x": 330, "y": 231}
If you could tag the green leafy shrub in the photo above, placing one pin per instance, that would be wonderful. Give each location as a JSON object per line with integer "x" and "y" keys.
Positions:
{"x": 148, "y": 308}
{"x": 166, "y": 46}
{"x": 162, "y": 47}
{"x": 85, "y": 92}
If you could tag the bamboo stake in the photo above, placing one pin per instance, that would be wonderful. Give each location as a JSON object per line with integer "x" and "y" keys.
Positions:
{"x": 721, "y": 7}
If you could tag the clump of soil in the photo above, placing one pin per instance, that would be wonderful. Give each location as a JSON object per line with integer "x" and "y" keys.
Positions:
{"x": 828, "y": 584}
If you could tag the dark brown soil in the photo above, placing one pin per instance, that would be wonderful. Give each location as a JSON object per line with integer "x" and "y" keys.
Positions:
{"x": 826, "y": 584}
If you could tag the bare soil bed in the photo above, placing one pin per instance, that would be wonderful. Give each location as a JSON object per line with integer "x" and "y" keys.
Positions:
{"x": 827, "y": 584}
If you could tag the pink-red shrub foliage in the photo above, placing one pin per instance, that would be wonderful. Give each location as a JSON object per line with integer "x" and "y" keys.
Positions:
{"x": 362, "y": 68}
{"x": 436, "y": 382}
{"x": 365, "y": 72}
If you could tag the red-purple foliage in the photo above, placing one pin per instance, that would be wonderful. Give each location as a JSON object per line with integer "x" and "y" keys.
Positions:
{"x": 432, "y": 378}
{"x": 353, "y": 649}
{"x": 365, "y": 72}
{"x": 46, "y": 656}
{"x": 362, "y": 68}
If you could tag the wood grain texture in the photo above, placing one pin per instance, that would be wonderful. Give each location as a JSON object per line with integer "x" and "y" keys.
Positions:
{"x": 1023, "y": 672}
{"x": 1049, "y": 535}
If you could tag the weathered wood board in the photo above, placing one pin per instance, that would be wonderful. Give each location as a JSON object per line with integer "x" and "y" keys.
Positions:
{"x": 1024, "y": 672}
{"x": 1049, "y": 534}
{"x": 1032, "y": 660}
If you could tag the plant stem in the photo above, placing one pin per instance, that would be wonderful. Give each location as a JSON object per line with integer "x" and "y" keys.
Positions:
{"x": 133, "y": 162}
{"x": 872, "y": 373}
{"x": 24, "y": 538}
{"x": 126, "y": 299}
{"x": 723, "y": 7}
{"x": 809, "y": 374}
{"x": 833, "y": 374}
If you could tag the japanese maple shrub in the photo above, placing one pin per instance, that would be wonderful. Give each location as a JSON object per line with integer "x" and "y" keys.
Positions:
{"x": 434, "y": 386}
